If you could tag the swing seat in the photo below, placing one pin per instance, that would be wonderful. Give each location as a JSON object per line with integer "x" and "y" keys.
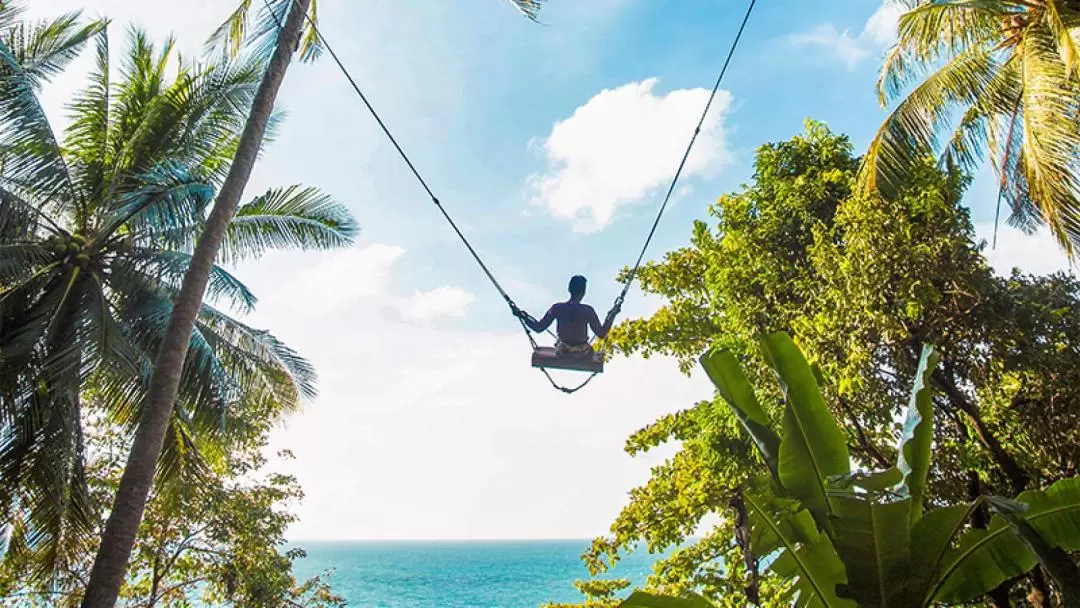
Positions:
{"x": 545, "y": 357}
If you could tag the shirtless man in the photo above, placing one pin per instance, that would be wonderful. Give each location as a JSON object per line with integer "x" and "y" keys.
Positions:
{"x": 574, "y": 319}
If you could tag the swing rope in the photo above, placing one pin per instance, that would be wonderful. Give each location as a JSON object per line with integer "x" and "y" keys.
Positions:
{"x": 465, "y": 241}
{"x": 686, "y": 156}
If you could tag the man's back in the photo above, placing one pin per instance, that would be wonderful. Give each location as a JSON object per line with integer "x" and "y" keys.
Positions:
{"x": 574, "y": 318}
{"x": 573, "y": 321}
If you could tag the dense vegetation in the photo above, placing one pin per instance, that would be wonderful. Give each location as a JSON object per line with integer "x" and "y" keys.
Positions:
{"x": 97, "y": 228}
{"x": 918, "y": 391}
{"x": 124, "y": 381}
{"x": 862, "y": 284}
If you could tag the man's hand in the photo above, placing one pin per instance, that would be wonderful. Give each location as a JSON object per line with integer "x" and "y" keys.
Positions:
{"x": 614, "y": 312}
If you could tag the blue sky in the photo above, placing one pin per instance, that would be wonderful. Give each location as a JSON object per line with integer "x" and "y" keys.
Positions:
{"x": 551, "y": 146}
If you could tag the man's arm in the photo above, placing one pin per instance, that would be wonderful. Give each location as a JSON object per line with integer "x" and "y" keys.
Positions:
{"x": 542, "y": 324}
{"x": 601, "y": 331}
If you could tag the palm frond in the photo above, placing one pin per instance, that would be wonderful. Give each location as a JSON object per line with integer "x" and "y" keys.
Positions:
{"x": 1064, "y": 24}
{"x": 18, "y": 260}
{"x": 311, "y": 45}
{"x": 87, "y": 138}
{"x": 30, "y": 155}
{"x": 42, "y": 468}
{"x": 231, "y": 34}
{"x": 529, "y": 8}
{"x": 168, "y": 197}
{"x": 288, "y": 375}
{"x": 983, "y": 124}
{"x": 1050, "y": 140}
{"x": 169, "y": 267}
{"x": 943, "y": 28}
{"x": 291, "y": 217}
{"x": 913, "y": 127}
{"x": 215, "y": 111}
{"x": 11, "y": 12}
{"x": 21, "y": 220}
{"x": 137, "y": 106}
{"x": 260, "y": 35}
{"x": 45, "y": 48}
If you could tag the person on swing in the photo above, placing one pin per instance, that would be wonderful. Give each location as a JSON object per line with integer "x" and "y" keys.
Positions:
{"x": 574, "y": 319}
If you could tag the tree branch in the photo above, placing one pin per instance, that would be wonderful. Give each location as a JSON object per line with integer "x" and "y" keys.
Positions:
{"x": 1004, "y": 460}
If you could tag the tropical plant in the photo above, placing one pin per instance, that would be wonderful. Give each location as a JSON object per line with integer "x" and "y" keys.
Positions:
{"x": 860, "y": 283}
{"x": 285, "y": 27}
{"x": 218, "y": 542}
{"x": 852, "y": 537}
{"x": 860, "y": 538}
{"x": 95, "y": 235}
{"x": 997, "y": 77}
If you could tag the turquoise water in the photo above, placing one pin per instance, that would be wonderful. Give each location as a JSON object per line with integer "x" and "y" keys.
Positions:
{"x": 496, "y": 574}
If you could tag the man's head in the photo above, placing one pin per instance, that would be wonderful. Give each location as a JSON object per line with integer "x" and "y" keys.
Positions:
{"x": 577, "y": 287}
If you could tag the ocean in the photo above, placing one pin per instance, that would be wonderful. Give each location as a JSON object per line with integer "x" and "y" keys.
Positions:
{"x": 457, "y": 574}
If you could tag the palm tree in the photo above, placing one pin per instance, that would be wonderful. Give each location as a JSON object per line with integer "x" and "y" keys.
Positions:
{"x": 285, "y": 27}
{"x": 997, "y": 76}
{"x": 95, "y": 237}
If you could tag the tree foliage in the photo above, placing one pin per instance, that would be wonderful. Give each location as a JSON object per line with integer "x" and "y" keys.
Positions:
{"x": 997, "y": 79}
{"x": 96, "y": 230}
{"x": 220, "y": 541}
{"x": 861, "y": 284}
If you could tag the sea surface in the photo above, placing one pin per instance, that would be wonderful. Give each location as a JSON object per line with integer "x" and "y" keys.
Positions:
{"x": 475, "y": 574}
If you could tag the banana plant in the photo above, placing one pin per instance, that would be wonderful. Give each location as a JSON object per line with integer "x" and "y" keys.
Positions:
{"x": 852, "y": 538}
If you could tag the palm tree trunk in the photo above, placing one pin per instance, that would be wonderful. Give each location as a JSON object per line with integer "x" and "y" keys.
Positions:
{"x": 110, "y": 565}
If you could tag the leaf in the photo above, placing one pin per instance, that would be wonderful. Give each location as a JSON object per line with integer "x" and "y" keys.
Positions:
{"x": 808, "y": 557}
{"x": 1055, "y": 512}
{"x": 730, "y": 381}
{"x": 1050, "y": 143}
{"x": 1061, "y": 568}
{"x": 932, "y": 537}
{"x": 813, "y": 447}
{"x": 529, "y": 8}
{"x": 284, "y": 218}
{"x": 872, "y": 539}
{"x": 914, "y": 451}
{"x": 877, "y": 481}
{"x": 986, "y": 558}
{"x": 640, "y": 599}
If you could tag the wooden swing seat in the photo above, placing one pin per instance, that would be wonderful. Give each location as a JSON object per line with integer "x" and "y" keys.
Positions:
{"x": 545, "y": 357}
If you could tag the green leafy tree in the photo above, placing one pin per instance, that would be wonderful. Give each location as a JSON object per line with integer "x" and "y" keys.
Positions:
{"x": 220, "y": 542}
{"x": 861, "y": 283}
{"x": 285, "y": 28}
{"x": 95, "y": 235}
{"x": 998, "y": 78}
{"x": 861, "y": 538}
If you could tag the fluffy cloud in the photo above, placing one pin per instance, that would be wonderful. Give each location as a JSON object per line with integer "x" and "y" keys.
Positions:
{"x": 879, "y": 33}
{"x": 351, "y": 281}
{"x": 335, "y": 281}
{"x": 1032, "y": 253}
{"x": 622, "y": 145}
{"x": 438, "y": 303}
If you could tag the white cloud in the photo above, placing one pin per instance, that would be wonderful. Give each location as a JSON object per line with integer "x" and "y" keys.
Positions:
{"x": 878, "y": 33}
{"x": 438, "y": 303}
{"x": 1035, "y": 253}
{"x": 841, "y": 44}
{"x": 622, "y": 145}
{"x": 408, "y": 415}
{"x": 335, "y": 281}
{"x": 880, "y": 29}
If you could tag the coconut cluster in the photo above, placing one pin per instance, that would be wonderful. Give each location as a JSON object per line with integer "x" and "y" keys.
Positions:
{"x": 70, "y": 249}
